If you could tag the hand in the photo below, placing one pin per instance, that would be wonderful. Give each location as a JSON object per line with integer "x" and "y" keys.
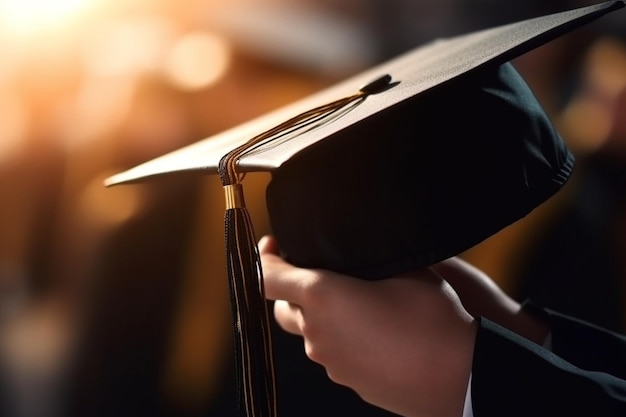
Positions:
{"x": 404, "y": 343}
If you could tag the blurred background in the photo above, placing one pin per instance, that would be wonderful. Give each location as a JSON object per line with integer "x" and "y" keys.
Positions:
{"x": 113, "y": 302}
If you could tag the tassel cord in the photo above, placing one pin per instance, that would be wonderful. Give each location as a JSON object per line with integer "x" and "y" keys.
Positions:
{"x": 251, "y": 327}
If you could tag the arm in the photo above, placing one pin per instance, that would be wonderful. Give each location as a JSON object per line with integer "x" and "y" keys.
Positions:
{"x": 483, "y": 298}
{"x": 513, "y": 375}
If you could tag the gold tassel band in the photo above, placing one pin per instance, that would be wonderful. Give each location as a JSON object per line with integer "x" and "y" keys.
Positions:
{"x": 234, "y": 196}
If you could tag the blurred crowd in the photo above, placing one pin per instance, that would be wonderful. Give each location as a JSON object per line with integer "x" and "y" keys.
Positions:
{"x": 113, "y": 301}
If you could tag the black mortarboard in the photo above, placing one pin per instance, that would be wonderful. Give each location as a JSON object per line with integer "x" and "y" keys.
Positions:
{"x": 404, "y": 165}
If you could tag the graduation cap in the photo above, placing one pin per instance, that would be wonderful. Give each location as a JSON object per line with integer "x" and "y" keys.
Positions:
{"x": 401, "y": 166}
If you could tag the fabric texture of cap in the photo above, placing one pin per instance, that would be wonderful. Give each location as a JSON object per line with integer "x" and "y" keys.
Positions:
{"x": 422, "y": 182}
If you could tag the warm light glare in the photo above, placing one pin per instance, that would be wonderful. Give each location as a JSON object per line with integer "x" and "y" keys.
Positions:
{"x": 127, "y": 47}
{"x": 23, "y": 17}
{"x": 198, "y": 60}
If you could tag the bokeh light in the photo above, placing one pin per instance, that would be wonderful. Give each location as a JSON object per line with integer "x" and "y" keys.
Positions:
{"x": 197, "y": 60}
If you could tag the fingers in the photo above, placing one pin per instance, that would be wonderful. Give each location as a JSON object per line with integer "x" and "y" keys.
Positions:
{"x": 289, "y": 317}
{"x": 281, "y": 283}
{"x": 282, "y": 280}
{"x": 268, "y": 245}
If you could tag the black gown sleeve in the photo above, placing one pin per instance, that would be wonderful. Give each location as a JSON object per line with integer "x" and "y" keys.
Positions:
{"x": 583, "y": 375}
{"x": 586, "y": 345}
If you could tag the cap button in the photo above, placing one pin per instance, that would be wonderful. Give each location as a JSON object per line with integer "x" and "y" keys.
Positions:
{"x": 380, "y": 84}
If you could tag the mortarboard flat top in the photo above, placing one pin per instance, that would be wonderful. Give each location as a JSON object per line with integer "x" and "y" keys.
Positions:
{"x": 415, "y": 72}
